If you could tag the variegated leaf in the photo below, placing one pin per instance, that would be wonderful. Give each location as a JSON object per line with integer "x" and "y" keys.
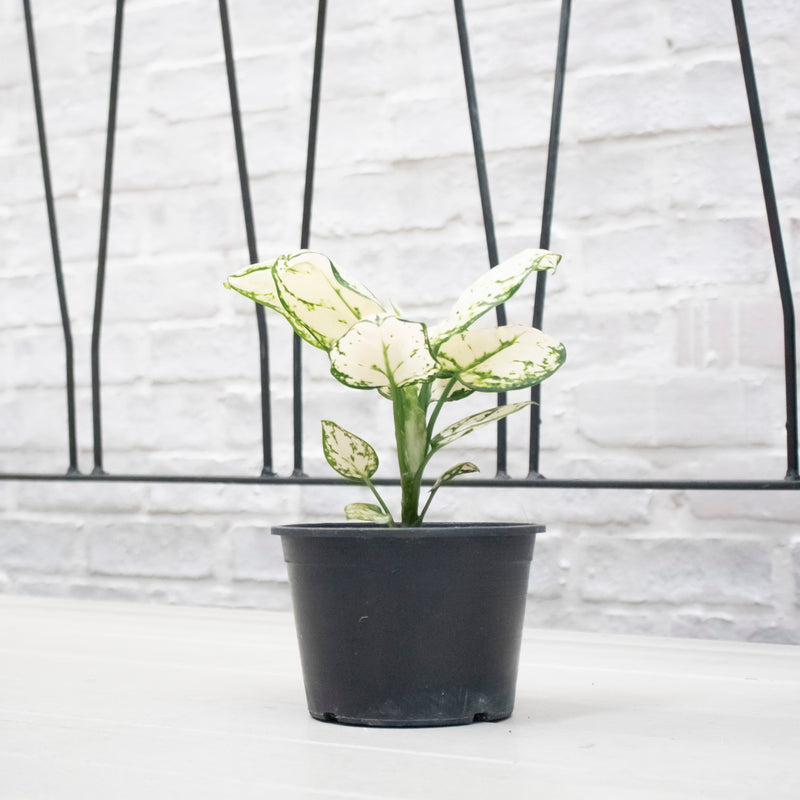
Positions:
{"x": 347, "y": 453}
{"x": 473, "y": 421}
{"x": 366, "y": 512}
{"x": 383, "y": 351}
{"x": 257, "y": 283}
{"x": 500, "y": 359}
{"x": 317, "y": 299}
{"x": 459, "y": 469}
{"x": 492, "y": 288}
{"x": 458, "y": 392}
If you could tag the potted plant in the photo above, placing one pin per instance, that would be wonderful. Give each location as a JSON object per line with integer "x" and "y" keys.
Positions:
{"x": 402, "y": 623}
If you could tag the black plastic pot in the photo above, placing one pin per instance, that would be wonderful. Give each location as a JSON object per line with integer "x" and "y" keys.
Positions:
{"x": 409, "y": 627}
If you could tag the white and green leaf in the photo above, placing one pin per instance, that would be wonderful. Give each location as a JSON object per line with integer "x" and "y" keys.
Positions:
{"x": 449, "y": 474}
{"x": 464, "y": 426}
{"x": 367, "y": 512}
{"x": 319, "y": 302}
{"x": 458, "y": 392}
{"x": 492, "y": 288}
{"x": 501, "y": 359}
{"x": 347, "y": 453}
{"x": 257, "y": 283}
{"x": 383, "y": 352}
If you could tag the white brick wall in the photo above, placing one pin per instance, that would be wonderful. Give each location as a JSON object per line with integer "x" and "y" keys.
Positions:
{"x": 666, "y": 299}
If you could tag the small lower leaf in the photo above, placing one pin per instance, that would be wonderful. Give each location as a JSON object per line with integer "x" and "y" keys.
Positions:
{"x": 366, "y": 512}
{"x": 459, "y": 469}
{"x": 347, "y": 453}
{"x": 468, "y": 424}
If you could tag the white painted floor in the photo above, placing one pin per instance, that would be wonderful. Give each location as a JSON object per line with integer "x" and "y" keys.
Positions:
{"x": 117, "y": 701}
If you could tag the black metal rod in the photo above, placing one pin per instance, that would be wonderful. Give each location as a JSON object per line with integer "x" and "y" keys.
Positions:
{"x": 103, "y": 248}
{"x": 247, "y": 206}
{"x": 779, "y": 255}
{"x": 305, "y": 230}
{"x": 547, "y": 223}
{"x": 51, "y": 219}
{"x": 767, "y": 484}
{"x": 486, "y": 205}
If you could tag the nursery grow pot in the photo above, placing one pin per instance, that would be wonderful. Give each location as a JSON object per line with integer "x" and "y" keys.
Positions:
{"x": 409, "y": 627}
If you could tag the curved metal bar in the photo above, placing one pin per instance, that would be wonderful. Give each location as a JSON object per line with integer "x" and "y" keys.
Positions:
{"x": 486, "y": 206}
{"x": 103, "y": 247}
{"x": 779, "y": 255}
{"x": 547, "y": 222}
{"x": 305, "y": 231}
{"x": 247, "y": 206}
{"x": 72, "y": 469}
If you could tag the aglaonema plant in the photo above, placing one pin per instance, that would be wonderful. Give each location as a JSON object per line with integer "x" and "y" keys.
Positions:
{"x": 371, "y": 345}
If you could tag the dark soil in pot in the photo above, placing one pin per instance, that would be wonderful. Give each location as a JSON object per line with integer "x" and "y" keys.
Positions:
{"x": 409, "y": 627}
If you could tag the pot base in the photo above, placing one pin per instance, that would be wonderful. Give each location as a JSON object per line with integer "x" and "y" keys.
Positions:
{"x": 481, "y": 716}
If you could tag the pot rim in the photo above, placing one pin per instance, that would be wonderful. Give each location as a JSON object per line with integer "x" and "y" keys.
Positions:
{"x": 440, "y": 530}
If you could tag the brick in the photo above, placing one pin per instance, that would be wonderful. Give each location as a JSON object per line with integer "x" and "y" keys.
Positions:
{"x": 608, "y": 33}
{"x": 151, "y": 34}
{"x": 617, "y": 412}
{"x": 272, "y": 502}
{"x": 778, "y": 506}
{"x": 75, "y": 108}
{"x": 513, "y": 41}
{"x": 690, "y": 26}
{"x": 14, "y": 48}
{"x": 33, "y": 419}
{"x": 636, "y": 334}
{"x": 735, "y": 571}
{"x": 351, "y": 131}
{"x": 427, "y": 128}
{"x": 698, "y": 411}
{"x": 408, "y": 196}
{"x": 159, "y": 289}
{"x": 37, "y": 358}
{"x": 257, "y": 26}
{"x": 39, "y": 546}
{"x": 179, "y": 416}
{"x": 78, "y": 216}
{"x": 150, "y": 549}
{"x": 202, "y": 354}
{"x": 688, "y": 254}
{"x": 706, "y": 333}
{"x": 796, "y": 571}
{"x": 657, "y": 100}
{"x": 84, "y": 498}
{"x": 719, "y": 172}
{"x": 55, "y": 61}
{"x": 191, "y": 153}
{"x": 760, "y": 330}
{"x": 598, "y": 179}
{"x": 549, "y": 568}
{"x": 189, "y": 93}
{"x": 756, "y": 627}
{"x": 424, "y": 54}
{"x": 355, "y": 64}
{"x": 772, "y": 19}
{"x": 185, "y": 220}
{"x": 256, "y": 554}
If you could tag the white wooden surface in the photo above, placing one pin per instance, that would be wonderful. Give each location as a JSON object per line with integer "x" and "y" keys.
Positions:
{"x": 115, "y": 701}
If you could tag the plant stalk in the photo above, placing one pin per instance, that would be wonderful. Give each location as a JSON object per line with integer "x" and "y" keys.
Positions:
{"x": 411, "y": 436}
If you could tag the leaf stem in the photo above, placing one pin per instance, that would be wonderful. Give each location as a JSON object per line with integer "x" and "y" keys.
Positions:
{"x": 437, "y": 408}
{"x": 383, "y": 505}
